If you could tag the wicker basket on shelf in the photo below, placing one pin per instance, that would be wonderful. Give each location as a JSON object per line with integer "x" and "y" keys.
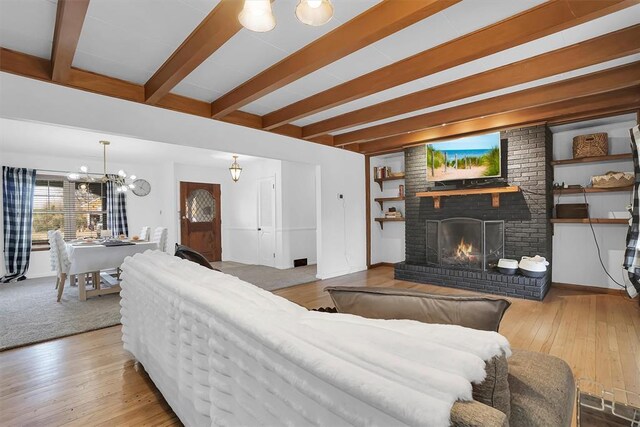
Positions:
{"x": 613, "y": 180}
{"x": 590, "y": 145}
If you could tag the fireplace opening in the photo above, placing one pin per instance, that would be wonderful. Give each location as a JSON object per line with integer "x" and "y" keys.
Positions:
{"x": 466, "y": 243}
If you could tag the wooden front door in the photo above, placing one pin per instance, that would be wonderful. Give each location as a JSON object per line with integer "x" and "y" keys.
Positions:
{"x": 200, "y": 218}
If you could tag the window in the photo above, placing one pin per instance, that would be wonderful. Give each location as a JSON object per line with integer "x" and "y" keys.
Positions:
{"x": 76, "y": 208}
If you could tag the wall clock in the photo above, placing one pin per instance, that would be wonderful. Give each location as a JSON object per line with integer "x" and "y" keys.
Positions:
{"x": 141, "y": 187}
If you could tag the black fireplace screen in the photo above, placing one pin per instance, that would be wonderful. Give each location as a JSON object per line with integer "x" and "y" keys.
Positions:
{"x": 465, "y": 242}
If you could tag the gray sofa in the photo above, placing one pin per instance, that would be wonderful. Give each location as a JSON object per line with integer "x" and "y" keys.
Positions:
{"x": 539, "y": 390}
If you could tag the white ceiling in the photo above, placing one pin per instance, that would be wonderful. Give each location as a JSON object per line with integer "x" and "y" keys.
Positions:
{"x": 56, "y": 141}
{"x": 131, "y": 39}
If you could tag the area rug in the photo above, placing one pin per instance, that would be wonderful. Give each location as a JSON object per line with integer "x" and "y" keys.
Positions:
{"x": 268, "y": 278}
{"x": 29, "y": 312}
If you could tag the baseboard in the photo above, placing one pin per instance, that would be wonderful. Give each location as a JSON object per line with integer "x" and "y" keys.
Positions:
{"x": 381, "y": 264}
{"x": 325, "y": 276}
{"x": 587, "y": 288}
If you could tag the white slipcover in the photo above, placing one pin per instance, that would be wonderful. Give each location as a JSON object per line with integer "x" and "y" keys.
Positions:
{"x": 224, "y": 352}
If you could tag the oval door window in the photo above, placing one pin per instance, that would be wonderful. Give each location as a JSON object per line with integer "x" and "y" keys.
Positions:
{"x": 201, "y": 206}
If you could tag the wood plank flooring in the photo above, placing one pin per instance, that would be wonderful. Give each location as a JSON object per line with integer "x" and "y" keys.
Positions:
{"x": 88, "y": 379}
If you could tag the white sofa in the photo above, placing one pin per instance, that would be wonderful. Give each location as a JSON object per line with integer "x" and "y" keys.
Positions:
{"x": 224, "y": 352}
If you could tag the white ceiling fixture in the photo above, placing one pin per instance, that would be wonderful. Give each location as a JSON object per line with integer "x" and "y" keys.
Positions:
{"x": 314, "y": 12}
{"x": 121, "y": 181}
{"x": 256, "y": 15}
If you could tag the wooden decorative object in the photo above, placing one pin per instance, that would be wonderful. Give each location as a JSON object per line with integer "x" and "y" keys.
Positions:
{"x": 495, "y": 194}
{"x": 382, "y": 200}
{"x": 590, "y": 145}
{"x": 390, "y": 178}
{"x": 572, "y": 210}
{"x": 598, "y": 159}
{"x": 593, "y": 221}
{"x": 381, "y": 221}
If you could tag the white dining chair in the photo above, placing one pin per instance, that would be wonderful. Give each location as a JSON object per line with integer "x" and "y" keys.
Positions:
{"x": 145, "y": 233}
{"x": 160, "y": 238}
{"x": 60, "y": 262}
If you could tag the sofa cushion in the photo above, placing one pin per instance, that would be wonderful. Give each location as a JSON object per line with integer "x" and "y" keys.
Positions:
{"x": 475, "y": 312}
{"x": 494, "y": 390}
{"x": 476, "y": 414}
{"x": 542, "y": 390}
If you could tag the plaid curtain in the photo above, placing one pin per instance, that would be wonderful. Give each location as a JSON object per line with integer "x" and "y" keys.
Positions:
{"x": 116, "y": 210}
{"x": 632, "y": 254}
{"x": 18, "y": 186}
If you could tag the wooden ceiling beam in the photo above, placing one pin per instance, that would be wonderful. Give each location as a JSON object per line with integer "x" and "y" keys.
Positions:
{"x": 547, "y": 18}
{"x": 214, "y": 31}
{"x": 590, "y": 52}
{"x": 618, "y": 101}
{"x": 590, "y": 84}
{"x": 370, "y": 26}
{"x": 38, "y": 68}
{"x": 69, "y": 19}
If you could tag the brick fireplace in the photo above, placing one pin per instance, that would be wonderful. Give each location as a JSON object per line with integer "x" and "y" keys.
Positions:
{"x": 523, "y": 218}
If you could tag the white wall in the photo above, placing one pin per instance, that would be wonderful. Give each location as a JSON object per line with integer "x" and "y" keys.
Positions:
{"x": 298, "y": 231}
{"x": 575, "y": 258}
{"x": 341, "y": 241}
{"x": 238, "y": 204}
{"x": 387, "y": 245}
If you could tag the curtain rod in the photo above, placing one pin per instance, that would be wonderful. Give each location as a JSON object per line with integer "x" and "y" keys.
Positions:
{"x": 67, "y": 172}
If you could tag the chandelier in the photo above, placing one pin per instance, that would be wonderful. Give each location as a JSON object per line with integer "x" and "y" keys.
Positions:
{"x": 121, "y": 181}
{"x": 256, "y": 15}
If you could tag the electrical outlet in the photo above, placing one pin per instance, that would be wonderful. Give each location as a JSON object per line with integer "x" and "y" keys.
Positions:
{"x": 340, "y": 196}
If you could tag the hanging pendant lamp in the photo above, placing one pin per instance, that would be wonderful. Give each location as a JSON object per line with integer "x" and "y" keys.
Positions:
{"x": 235, "y": 169}
{"x": 314, "y": 12}
{"x": 256, "y": 15}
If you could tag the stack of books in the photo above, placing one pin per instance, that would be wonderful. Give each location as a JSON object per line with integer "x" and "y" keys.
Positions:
{"x": 396, "y": 214}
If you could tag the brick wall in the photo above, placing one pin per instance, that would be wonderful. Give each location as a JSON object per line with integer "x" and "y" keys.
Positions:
{"x": 526, "y": 214}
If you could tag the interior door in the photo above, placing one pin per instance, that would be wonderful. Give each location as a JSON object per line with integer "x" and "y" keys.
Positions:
{"x": 267, "y": 221}
{"x": 200, "y": 222}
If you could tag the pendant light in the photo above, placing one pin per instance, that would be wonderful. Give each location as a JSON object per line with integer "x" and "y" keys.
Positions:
{"x": 256, "y": 15}
{"x": 314, "y": 12}
{"x": 235, "y": 169}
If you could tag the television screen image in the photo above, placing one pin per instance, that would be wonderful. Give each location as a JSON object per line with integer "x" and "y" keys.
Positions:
{"x": 473, "y": 157}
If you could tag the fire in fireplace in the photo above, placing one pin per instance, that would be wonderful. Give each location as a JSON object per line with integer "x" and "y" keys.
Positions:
{"x": 465, "y": 242}
{"x": 464, "y": 251}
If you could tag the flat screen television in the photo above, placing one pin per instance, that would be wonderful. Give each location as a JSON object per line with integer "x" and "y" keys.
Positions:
{"x": 471, "y": 158}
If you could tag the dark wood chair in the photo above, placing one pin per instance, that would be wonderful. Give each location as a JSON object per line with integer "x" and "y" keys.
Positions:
{"x": 187, "y": 253}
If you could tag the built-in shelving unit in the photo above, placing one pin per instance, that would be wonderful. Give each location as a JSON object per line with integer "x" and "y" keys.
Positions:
{"x": 591, "y": 190}
{"x": 381, "y": 221}
{"x": 586, "y": 221}
{"x": 494, "y": 191}
{"x": 560, "y": 191}
{"x": 398, "y": 176}
{"x": 597, "y": 159}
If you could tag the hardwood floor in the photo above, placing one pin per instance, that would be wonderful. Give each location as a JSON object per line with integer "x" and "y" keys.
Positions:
{"x": 88, "y": 379}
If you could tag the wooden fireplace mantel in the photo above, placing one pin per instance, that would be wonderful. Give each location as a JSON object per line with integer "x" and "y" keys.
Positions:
{"x": 495, "y": 194}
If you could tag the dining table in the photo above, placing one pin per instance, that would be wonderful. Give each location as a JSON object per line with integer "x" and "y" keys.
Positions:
{"x": 92, "y": 257}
